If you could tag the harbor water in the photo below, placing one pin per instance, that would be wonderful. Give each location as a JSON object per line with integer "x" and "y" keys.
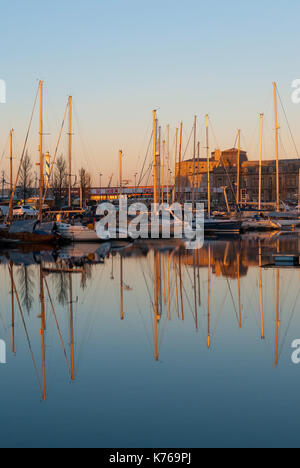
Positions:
{"x": 150, "y": 345}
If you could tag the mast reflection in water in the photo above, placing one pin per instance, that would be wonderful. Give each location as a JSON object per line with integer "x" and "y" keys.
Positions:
{"x": 160, "y": 344}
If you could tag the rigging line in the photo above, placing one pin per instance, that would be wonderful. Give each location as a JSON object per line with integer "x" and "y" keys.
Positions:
{"x": 144, "y": 140}
{"x": 57, "y": 325}
{"x": 26, "y": 332}
{"x": 219, "y": 315}
{"x": 24, "y": 147}
{"x": 236, "y": 139}
{"x": 145, "y": 329}
{"x": 55, "y": 154}
{"x": 5, "y": 329}
{"x": 289, "y": 323}
{"x": 4, "y": 148}
{"x": 147, "y": 173}
{"x": 283, "y": 147}
{"x": 232, "y": 300}
{"x": 144, "y": 163}
{"x": 288, "y": 124}
{"x": 184, "y": 154}
{"x": 163, "y": 333}
{"x": 152, "y": 309}
{"x": 185, "y": 291}
{"x": 214, "y": 135}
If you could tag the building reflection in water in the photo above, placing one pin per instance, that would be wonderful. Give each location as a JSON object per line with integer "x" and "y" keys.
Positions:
{"x": 177, "y": 285}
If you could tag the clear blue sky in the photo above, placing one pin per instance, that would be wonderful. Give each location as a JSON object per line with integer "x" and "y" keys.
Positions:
{"x": 122, "y": 58}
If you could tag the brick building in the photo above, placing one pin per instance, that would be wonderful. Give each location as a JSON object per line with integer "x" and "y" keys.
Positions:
{"x": 223, "y": 169}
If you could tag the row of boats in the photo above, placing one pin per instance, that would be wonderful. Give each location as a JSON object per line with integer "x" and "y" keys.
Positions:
{"x": 35, "y": 232}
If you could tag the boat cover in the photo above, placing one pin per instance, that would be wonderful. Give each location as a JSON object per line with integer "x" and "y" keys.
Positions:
{"x": 23, "y": 226}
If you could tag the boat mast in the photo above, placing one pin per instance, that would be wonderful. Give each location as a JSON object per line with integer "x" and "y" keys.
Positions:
{"x": 175, "y": 162}
{"x": 155, "y": 197}
{"x": 11, "y": 160}
{"x": 43, "y": 328}
{"x": 277, "y": 127}
{"x": 12, "y": 306}
{"x": 194, "y": 160}
{"x": 41, "y": 152}
{"x": 163, "y": 172}
{"x": 239, "y": 290}
{"x": 168, "y": 164}
{"x": 208, "y": 166}
{"x": 158, "y": 155}
{"x": 70, "y": 153}
{"x": 156, "y": 313}
{"x": 121, "y": 289}
{"x": 169, "y": 288}
{"x": 120, "y": 172}
{"x": 260, "y": 159}
{"x": 261, "y": 293}
{"x": 72, "y": 328}
{"x": 180, "y": 155}
{"x": 238, "y": 170}
{"x": 195, "y": 290}
{"x": 277, "y": 311}
{"x": 209, "y": 296}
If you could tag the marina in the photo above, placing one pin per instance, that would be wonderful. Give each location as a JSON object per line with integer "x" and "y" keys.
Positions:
{"x": 149, "y": 227}
{"x": 153, "y": 309}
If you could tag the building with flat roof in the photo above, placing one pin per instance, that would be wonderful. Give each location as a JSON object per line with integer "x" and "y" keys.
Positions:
{"x": 223, "y": 167}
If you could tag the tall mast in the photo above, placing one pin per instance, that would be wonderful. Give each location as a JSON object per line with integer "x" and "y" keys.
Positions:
{"x": 277, "y": 311}
{"x": 72, "y": 329}
{"x": 11, "y": 160}
{"x": 195, "y": 290}
{"x": 43, "y": 329}
{"x": 194, "y": 160}
{"x": 156, "y": 294}
{"x": 277, "y": 127}
{"x": 121, "y": 172}
{"x": 70, "y": 153}
{"x": 180, "y": 155}
{"x": 163, "y": 171}
{"x": 175, "y": 163}
{"x": 158, "y": 164}
{"x": 155, "y": 197}
{"x": 168, "y": 163}
{"x": 208, "y": 165}
{"x": 238, "y": 170}
{"x": 260, "y": 159}
{"x": 261, "y": 293}
{"x": 12, "y": 306}
{"x": 239, "y": 290}
{"x": 121, "y": 289}
{"x": 169, "y": 288}
{"x": 209, "y": 296}
{"x": 41, "y": 152}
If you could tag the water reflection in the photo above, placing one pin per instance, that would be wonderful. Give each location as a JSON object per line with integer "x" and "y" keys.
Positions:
{"x": 226, "y": 284}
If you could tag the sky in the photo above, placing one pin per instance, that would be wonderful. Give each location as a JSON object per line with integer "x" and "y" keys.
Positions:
{"x": 120, "y": 59}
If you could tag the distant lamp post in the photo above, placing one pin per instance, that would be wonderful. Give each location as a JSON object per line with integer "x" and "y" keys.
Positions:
{"x": 135, "y": 184}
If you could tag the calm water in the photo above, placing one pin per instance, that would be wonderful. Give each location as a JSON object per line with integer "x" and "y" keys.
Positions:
{"x": 121, "y": 369}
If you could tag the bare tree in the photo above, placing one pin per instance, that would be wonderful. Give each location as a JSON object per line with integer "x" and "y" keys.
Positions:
{"x": 85, "y": 182}
{"x": 60, "y": 178}
{"x": 26, "y": 279}
{"x": 26, "y": 177}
